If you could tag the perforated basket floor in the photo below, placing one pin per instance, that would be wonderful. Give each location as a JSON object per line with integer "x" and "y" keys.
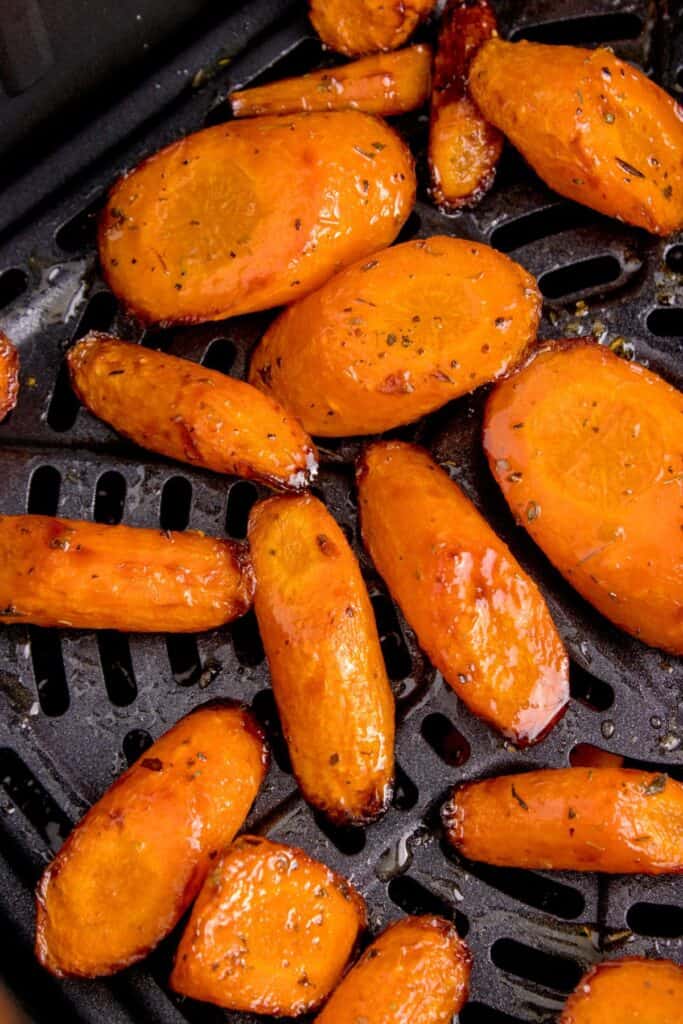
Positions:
{"x": 78, "y": 706}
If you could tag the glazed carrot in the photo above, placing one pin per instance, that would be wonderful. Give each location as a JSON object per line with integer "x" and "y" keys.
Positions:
{"x": 384, "y": 84}
{"x": 585, "y": 755}
{"x": 463, "y": 147}
{"x": 592, "y": 126}
{"x": 184, "y": 411}
{"x": 212, "y": 226}
{"x": 270, "y": 933}
{"x": 398, "y": 336}
{"x": 634, "y": 991}
{"x": 478, "y": 616}
{"x": 326, "y": 664}
{"x": 587, "y": 450}
{"x": 9, "y": 376}
{"x": 130, "y": 869}
{"x": 417, "y": 970}
{"x": 571, "y": 819}
{"x": 64, "y": 572}
{"x": 355, "y": 27}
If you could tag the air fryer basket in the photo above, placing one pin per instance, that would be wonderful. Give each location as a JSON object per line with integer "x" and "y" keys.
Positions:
{"x": 76, "y": 707}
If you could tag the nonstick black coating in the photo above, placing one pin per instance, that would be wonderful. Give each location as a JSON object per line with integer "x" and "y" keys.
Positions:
{"x": 78, "y": 706}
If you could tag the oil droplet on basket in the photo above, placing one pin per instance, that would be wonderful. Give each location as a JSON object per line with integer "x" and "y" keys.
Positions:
{"x": 607, "y": 728}
{"x": 656, "y": 722}
{"x": 395, "y": 860}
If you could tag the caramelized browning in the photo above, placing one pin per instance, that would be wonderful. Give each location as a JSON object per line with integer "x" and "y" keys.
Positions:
{"x": 270, "y": 933}
{"x": 478, "y": 616}
{"x": 326, "y": 664}
{"x": 131, "y": 868}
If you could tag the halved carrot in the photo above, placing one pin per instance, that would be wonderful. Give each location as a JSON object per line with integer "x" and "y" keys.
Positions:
{"x": 416, "y": 970}
{"x": 9, "y": 375}
{"x": 355, "y": 27}
{"x": 132, "y": 866}
{"x": 571, "y": 819}
{"x": 587, "y": 450}
{"x": 326, "y": 664}
{"x": 187, "y": 412}
{"x": 395, "y": 337}
{"x": 64, "y": 572}
{"x": 463, "y": 147}
{"x": 271, "y": 931}
{"x": 212, "y": 226}
{"x": 384, "y": 84}
{"x": 595, "y": 128}
{"x": 633, "y": 991}
{"x": 479, "y": 617}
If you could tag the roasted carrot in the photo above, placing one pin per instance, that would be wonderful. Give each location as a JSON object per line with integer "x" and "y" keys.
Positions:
{"x": 326, "y": 665}
{"x": 397, "y": 336}
{"x": 585, "y": 755}
{"x": 571, "y": 819}
{"x": 9, "y": 375}
{"x": 463, "y": 147}
{"x": 64, "y": 572}
{"x": 634, "y": 991}
{"x": 211, "y": 226}
{"x": 587, "y": 450}
{"x": 595, "y": 128}
{"x": 184, "y": 411}
{"x": 478, "y": 616}
{"x": 271, "y": 931}
{"x": 385, "y": 84}
{"x": 355, "y": 27}
{"x": 417, "y": 970}
{"x": 130, "y": 869}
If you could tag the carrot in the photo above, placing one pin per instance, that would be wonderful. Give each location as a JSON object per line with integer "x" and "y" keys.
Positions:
{"x": 463, "y": 147}
{"x": 355, "y": 27}
{"x": 212, "y": 226}
{"x": 9, "y": 375}
{"x": 633, "y": 991}
{"x": 478, "y": 616}
{"x": 571, "y": 819}
{"x": 587, "y": 450}
{"x": 326, "y": 665}
{"x": 585, "y": 755}
{"x": 184, "y": 411}
{"x": 384, "y": 84}
{"x": 398, "y": 336}
{"x": 417, "y": 970}
{"x": 133, "y": 865}
{"x": 271, "y": 931}
{"x": 63, "y": 572}
{"x": 592, "y": 126}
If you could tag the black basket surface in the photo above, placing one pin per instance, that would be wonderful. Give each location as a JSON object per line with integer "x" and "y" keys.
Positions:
{"x": 76, "y": 707}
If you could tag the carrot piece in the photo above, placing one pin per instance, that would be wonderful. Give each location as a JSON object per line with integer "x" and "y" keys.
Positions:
{"x": 326, "y": 664}
{"x": 592, "y": 126}
{"x": 464, "y": 148}
{"x": 416, "y": 970}
{"x": 132, "y": 866}
{"x": 211, "y": 226}
{"x": 571, "y": 819}
{"x": 633, "y": 991}
{"x": 279, "y": 925}
{"x": 184, "y": 411}
{"x": 585, "y": 755}
{"x": 479, "y": 617}
{"x": 398, "y": 336}
{"x": 63, "y": 572}
{"x": 586, "y": 448}
{"x": 355, "y": 27}
{"x": 9, "y": 375}
{"x": 385, "y": 84}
